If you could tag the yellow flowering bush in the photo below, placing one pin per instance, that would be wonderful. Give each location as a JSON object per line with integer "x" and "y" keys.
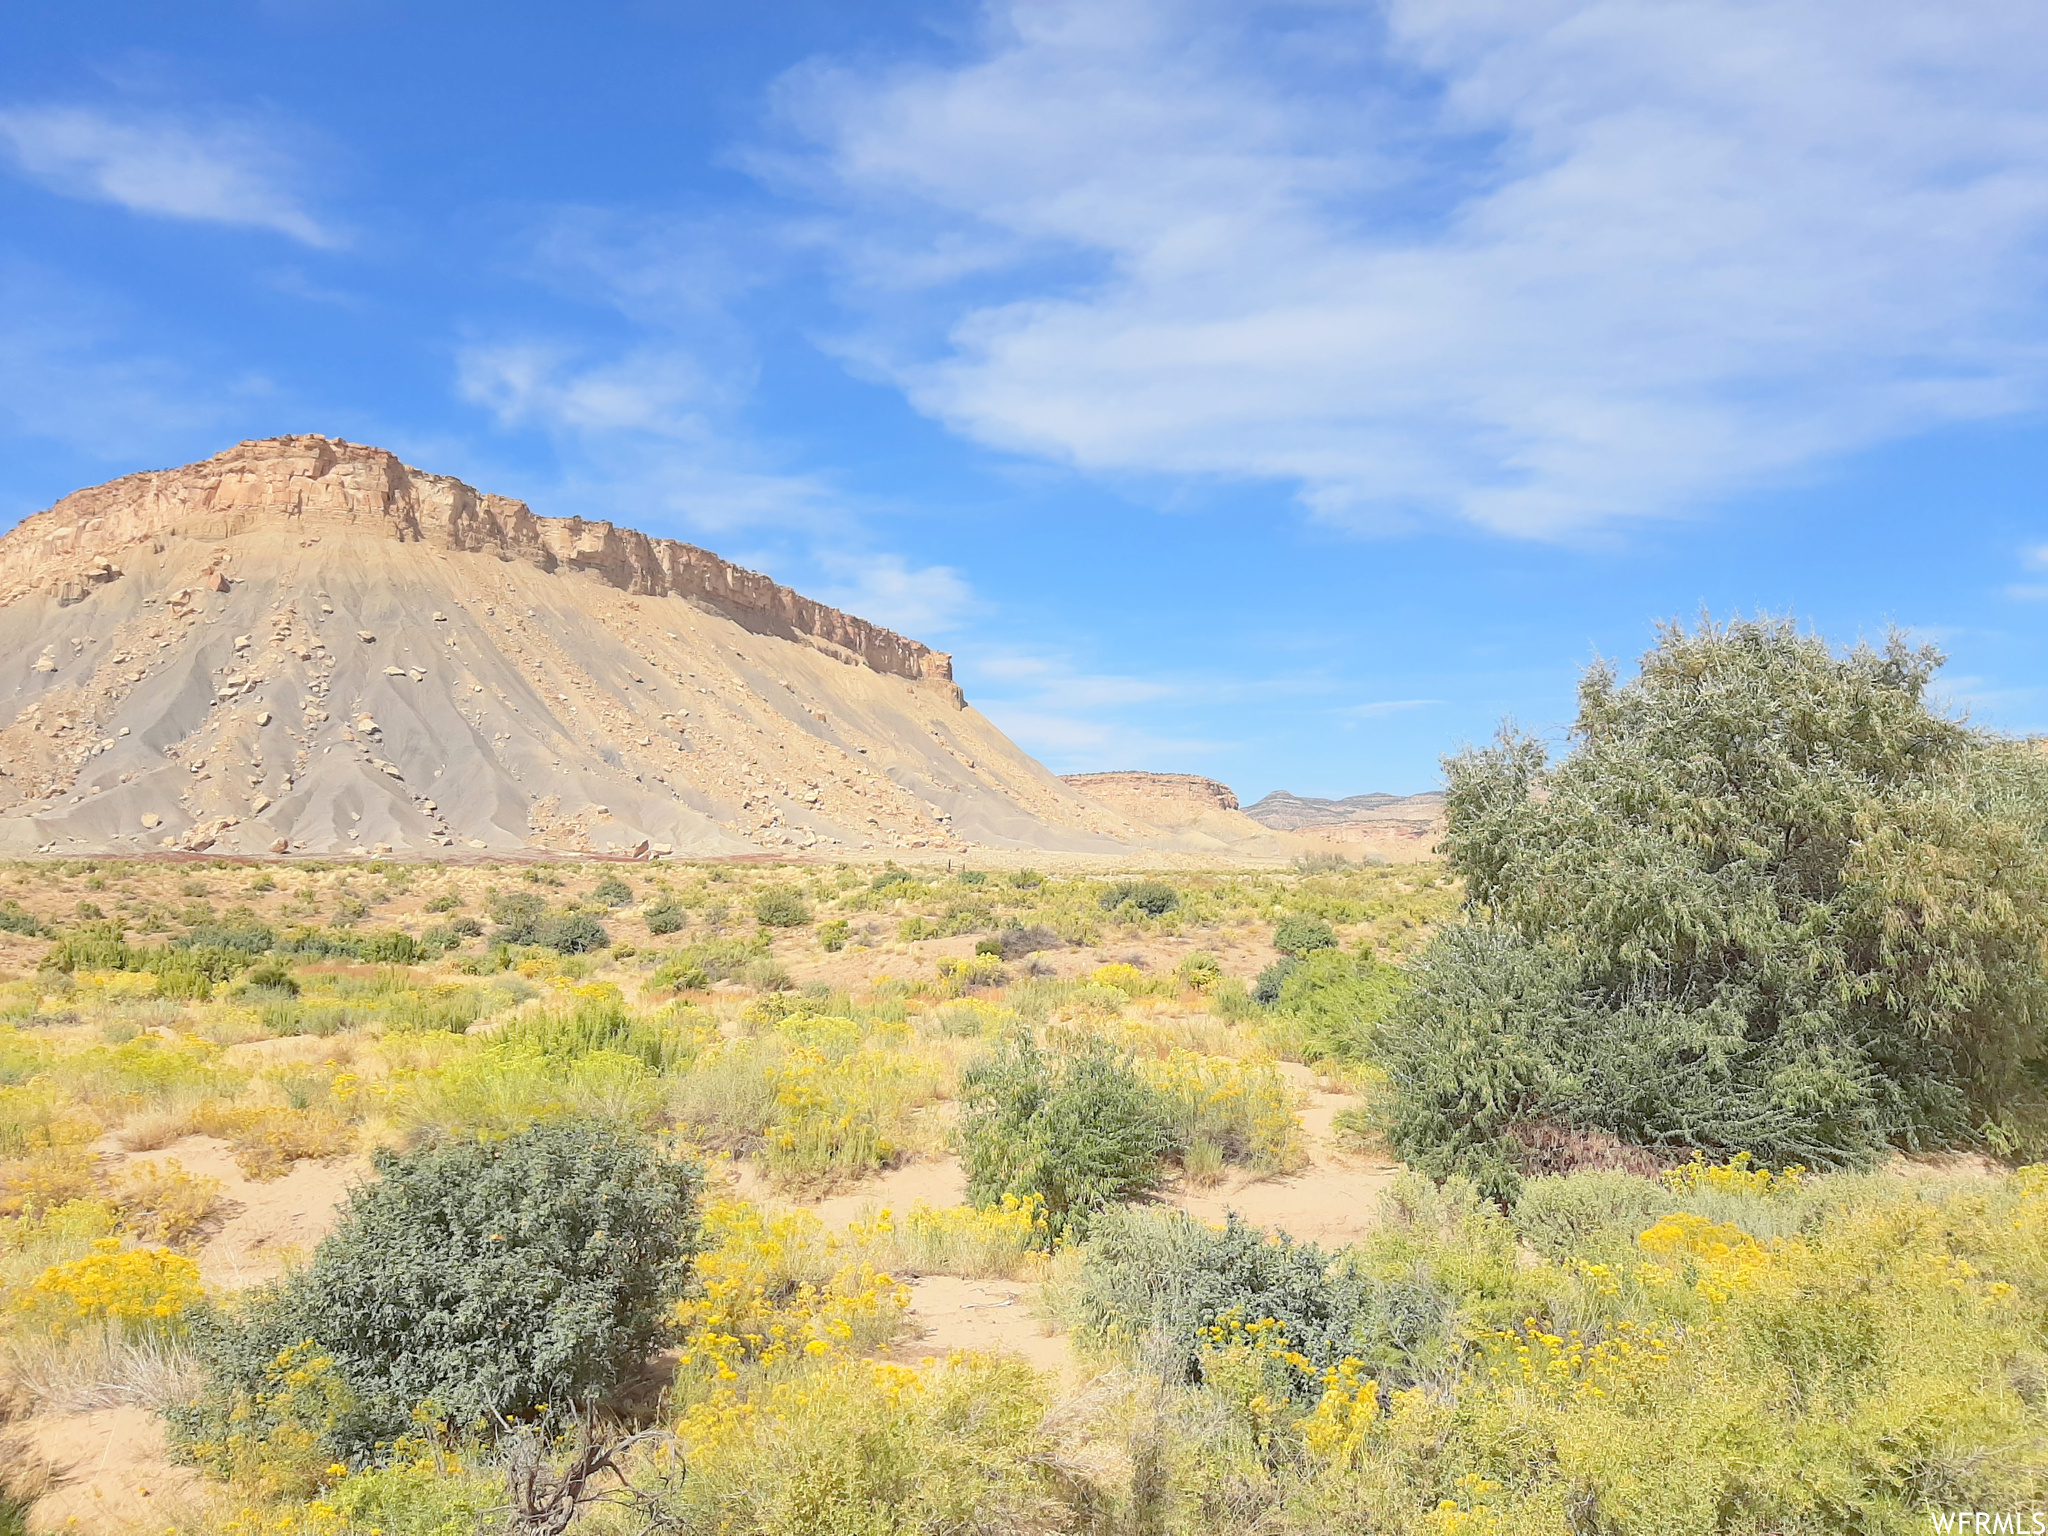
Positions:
{"x": 1124, "y": 976}
{"x": 777, "y": 1290}
{"x": 860, "y": 1446}
{"x": 836, "y": 1116}
{"x": 1736, "y": 1176}
{"x": 1528, "y": 1359}
{"x": 1245, "y": 1110}
{"x": 138, "y": 1290}
{"x": 48, "y": 1177}
{"x": 1335, "y": 1431}
{"x": 1000, "y": 1239}
{"x": 423, "y": 1490}
{"x": 273, "y": 1441}
{"x": 166, "y": 1206}
{"x": 970, "y": 970}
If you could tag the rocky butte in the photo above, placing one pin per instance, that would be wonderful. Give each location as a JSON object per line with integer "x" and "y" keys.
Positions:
{"x": 305, "y": 645}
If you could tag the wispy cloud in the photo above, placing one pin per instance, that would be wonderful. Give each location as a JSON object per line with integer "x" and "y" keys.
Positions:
{"x": 917, "y": 601}
{"x": 657, "y": 390}
{"x": 2032, "y": 558}
{"x": 216, "y": 172}
{"x": 1536, "y": 265}
{"x": 1078, "y": 720}
{"x": 1379, "y": 709}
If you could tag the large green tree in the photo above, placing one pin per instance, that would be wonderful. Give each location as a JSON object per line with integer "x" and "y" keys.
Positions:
{"x": 1772, "y": 899}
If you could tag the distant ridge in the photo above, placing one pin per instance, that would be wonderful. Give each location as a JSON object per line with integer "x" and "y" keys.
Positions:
{"x": 1285, "y": 812}
{"x": 304, "y": 644}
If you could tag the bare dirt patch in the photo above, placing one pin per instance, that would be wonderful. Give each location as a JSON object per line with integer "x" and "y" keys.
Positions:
{"x": 268, "y": 1222}
{"x": 987, "y": 1316}
{"x": 112, "y": 1472}
{"x": 1332, "y": 1201}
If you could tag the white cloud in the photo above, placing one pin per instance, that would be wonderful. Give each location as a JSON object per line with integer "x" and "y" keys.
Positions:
{"x": 218, "y": 173}
{"x": 918, "y": 602}
{"x": 652, "y": 390}
{"x": 1068, "y": 743}
{"x": 1047, "y": 679}
{"x": 1080, "y": 721}
{"x": 1379, "y": 709}
{"x": 1538, "y": 264}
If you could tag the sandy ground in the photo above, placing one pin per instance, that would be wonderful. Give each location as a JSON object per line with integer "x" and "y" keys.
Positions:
{"x": 989, "y": 1316}
{"x": 266, "y": 1223}
{"x": 113, "y": 1472}
{"x": 112, "y": 1468}
{"x": 1333, "y": 1200}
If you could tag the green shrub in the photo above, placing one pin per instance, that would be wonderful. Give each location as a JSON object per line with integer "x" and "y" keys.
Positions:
{"x": 1499, "y": 1039}
{"x": 601, "y": 1024}
{"x": 1790, "y": 908}
{"x": 664, "y": 915}
{"x": 1079, "y": 1129}
{"x": 1161, "y": 1280}
{"x": 1331, "y": 1004}
{"x": 517, "y": 914}
{"x": 239, "y": 931}
{"x": 273, "y": 976}
{"x": 1586, "y": 1213}
{"x": 13, "y": 919}
{"x": 832, "y": 936}
{"x": 1232, "y": 1000}
{"x": 389, "y": 948}
{"x": 442, "y": 937}
{"x": 570, "y": 933}
{"x": 1266, "y": 989}
{"x": 1153, "y": 897}
{"x": 611, "y": 891}
{"x": 1299, "y": 935}
{"x": 1015, "y": 942}
{"x": 781, "y": 907}
{"x": 698, "y": 965}
{"x": 1201, "y": 971}
{"x": 481, "y": 1278}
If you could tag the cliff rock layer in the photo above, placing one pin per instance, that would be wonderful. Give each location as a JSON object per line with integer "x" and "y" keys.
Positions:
{"x": 304, "y": 644}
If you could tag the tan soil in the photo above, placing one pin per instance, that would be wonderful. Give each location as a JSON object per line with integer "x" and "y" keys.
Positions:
{"x": 1333, "y": 1200}
{"x": 112, "y": 1472}
{"x": 267, "y": 1223}
{"x": 988, "y": 1316}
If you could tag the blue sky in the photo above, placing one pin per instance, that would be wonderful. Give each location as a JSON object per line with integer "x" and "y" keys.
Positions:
{"x": 1279, "y": 392}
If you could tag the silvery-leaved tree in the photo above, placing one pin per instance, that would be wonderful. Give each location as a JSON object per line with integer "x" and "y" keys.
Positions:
{"x": 1771, "y": 900}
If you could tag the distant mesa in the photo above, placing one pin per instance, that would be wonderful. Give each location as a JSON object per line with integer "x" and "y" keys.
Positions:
{"x": 306, "y": 645}
{"x": 1293, "y": 813}
{"x": 1141, "y": 793}
{"x": 1397, "y": 827}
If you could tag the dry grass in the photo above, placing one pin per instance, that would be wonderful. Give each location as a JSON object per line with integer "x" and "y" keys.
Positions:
{"x": 86, "y": 1371}
{"x": 153, "y": 1130}
{"x": 168, "y": 1206}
